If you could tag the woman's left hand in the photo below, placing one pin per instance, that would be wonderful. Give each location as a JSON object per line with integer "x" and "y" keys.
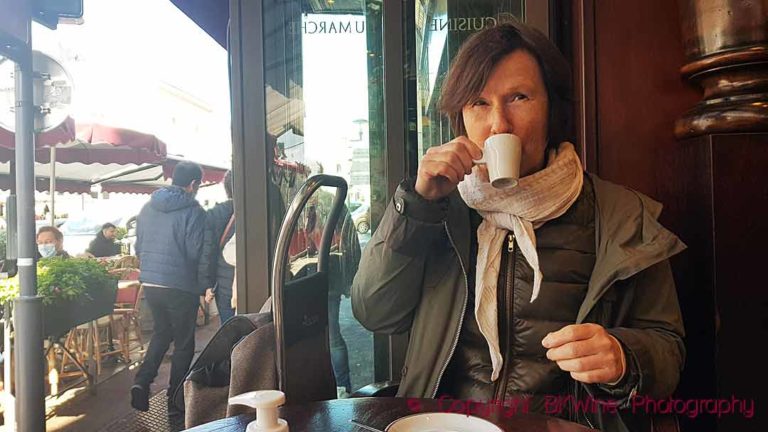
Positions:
{"x": 588, "y": 352}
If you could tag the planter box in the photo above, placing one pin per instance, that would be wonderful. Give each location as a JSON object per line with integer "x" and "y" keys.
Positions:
{"x": 60, "y": 317}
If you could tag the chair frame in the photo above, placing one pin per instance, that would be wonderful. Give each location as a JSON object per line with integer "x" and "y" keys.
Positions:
{"x": 128, "y": 315}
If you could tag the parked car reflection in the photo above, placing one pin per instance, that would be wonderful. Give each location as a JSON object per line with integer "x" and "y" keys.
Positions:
{"x": 362, "y": 218}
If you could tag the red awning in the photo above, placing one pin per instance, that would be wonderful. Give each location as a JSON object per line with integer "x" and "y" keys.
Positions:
{"x": 211, "y": 174}
{"x": 138, "y": 179}
{"x": 147, "y": 182}
{"x": 97, "y": 143}
{"x": 43, "y": 185}
{"x": 92, "y": 143}
{"x": 119, "y": 159}
{"x": 129, "y": 188}
{"x": 61, "y": 134}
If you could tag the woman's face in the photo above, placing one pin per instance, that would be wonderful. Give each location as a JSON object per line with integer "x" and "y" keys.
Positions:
{"x": 47, "y": 237}
{"x": 514, "y": 100}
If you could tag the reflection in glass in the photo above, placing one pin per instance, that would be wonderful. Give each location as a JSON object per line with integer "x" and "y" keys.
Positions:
{"x": 344, "y": 260}
{"x": 441, "y": 27}
{"x": 318, "y": 107}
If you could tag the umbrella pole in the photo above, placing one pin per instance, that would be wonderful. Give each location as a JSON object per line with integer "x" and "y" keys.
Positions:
{"x": 52, "y": 188}
{"x": 11, "y": 253}
{"x": 28, "y": 308}
{"x": 9, "y": 403}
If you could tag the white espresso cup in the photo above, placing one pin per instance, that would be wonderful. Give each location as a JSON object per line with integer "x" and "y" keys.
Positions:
{"x": 502, "y": 154}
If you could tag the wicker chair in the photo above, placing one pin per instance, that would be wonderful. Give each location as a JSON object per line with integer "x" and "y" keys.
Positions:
{"x": 126, "y": 317}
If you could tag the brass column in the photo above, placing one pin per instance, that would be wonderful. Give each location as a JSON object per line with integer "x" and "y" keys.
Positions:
{"x": 726, "y": 46}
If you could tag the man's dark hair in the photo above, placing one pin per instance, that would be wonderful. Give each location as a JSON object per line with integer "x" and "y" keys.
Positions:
{"x": 187, "y": 172}
{"x": 108, "y": 225}
{"x": 228, "y": 184}
{"x": 56, "y": 233}
{"x": 484, "y": 50}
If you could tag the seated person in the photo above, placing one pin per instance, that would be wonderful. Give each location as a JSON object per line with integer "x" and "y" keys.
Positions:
{"x": 50, "y": 243}
{"x": 104, "y": 244}
{"x": 558, "y": 287}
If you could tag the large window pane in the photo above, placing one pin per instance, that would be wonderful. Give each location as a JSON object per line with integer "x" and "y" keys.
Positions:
{"x": 319, "y": 106}
{"x": 441, "y": 27}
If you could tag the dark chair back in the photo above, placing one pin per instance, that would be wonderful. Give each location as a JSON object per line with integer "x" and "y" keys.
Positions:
{"x": 300, "y": 305}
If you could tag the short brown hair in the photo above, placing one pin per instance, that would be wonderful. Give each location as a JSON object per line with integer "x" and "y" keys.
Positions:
{"x": 51, "y": 229}
{"x": 478, "y": 56}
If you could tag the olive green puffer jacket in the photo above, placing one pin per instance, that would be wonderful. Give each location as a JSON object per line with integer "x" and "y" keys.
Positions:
{"x": 413, "y": 278}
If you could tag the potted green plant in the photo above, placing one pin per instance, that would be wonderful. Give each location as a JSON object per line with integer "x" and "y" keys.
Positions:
{"x": 74, "y": 291}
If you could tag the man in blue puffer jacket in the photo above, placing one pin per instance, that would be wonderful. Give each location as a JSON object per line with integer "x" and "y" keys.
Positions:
{"x": 169, "y": 239}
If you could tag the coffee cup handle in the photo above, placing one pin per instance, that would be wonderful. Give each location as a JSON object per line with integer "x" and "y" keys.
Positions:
{"x": 480, "y": 161}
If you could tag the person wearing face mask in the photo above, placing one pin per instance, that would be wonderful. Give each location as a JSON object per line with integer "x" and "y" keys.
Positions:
{"x": 169, "y": 241}
{"x": 559, "y": 287}
{"x": 50, "y": 243}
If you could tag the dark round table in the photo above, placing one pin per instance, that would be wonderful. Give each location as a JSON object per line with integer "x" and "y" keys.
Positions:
{"x": 334, "y": 415}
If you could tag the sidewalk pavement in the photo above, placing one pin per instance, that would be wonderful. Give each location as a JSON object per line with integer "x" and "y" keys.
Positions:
{"x": 110, "y": 409}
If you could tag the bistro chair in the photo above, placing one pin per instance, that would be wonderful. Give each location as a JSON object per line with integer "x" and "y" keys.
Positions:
{"x": 73, "y": 352}
{"x": 127, "y": 317}
{"x": 103, "y": 337}
{"x": 90, "y": 341}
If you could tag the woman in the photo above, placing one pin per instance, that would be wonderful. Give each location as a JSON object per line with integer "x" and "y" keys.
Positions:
{"x": 50, "y": 243}
{"x": 104, "y": 245}
{"x": 215, "y": 273}
{"x": 557, "y": 288}
{"x": 230, "y": 256}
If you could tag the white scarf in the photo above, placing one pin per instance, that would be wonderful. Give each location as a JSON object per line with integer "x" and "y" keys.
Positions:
{"x": 538, "y": 198}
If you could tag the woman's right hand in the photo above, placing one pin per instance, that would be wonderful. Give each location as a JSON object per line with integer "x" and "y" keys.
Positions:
{"x": 443, "y": 167}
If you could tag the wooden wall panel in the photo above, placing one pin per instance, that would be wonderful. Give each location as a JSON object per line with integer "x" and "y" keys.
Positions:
{"x": 740, "y": 214}
{"x": 713, "y": 188}
{"x": 688, "y": 203}
{"x": 639, "y": 92}
{"x": 717, "y": 202}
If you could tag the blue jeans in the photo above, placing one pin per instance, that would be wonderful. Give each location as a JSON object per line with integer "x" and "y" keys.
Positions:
{"x": 224, "y": 305}
{"x": 339, "y": 354}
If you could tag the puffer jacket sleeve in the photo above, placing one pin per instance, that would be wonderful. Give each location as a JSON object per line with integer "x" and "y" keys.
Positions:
{"x": 387, "y": 287}
{"x": 652, "y": 331}
{"x": 139, "y": 244}
{"x": 194, "y": 239}
{"x": 207, "y": 267}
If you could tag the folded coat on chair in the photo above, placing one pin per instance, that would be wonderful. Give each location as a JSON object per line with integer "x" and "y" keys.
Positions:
{"x": 239, "y": 358}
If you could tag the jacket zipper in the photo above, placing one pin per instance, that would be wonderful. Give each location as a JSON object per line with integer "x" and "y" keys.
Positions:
{"x": 508, "y": 296}
{"x": 463, "y": 310}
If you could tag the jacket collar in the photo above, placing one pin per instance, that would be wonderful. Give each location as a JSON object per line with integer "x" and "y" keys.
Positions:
{"x": 629, "y": 237}
{"x": 458, "y": 225}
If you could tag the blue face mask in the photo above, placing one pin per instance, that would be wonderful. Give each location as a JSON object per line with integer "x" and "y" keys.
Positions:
{"x": 47, "y": 250}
